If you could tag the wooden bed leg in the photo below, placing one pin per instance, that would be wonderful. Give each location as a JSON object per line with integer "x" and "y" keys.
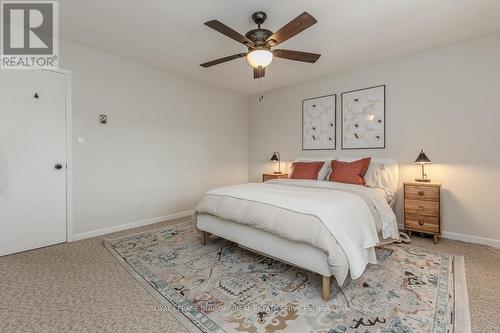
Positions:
{"x": 204, "y": 236}
{"x": 327, "y": 280}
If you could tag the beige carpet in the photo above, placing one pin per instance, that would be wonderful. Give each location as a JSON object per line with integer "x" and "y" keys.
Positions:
{"x": 80, "y": 287}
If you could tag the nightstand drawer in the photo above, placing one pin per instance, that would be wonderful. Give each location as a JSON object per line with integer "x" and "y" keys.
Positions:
{"x": 422, "y": 207}
{"x": 423, "y": 223}
{"x": 265, "y": 178}
{"x": 269, "y": 176}
{"x": 417, "y": 192}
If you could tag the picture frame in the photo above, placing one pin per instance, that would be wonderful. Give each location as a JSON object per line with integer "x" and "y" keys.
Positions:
{"x": 363, "y": 118}
{"x": 319, "y": 123}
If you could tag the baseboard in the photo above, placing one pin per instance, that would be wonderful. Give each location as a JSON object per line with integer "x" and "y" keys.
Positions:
{"x": 466, "y": 238}
{"x": 471, "y": 239}
{"x": 115, "y": 228}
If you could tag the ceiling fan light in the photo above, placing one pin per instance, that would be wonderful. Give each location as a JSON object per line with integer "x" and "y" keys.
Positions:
{"x": 259, "y": 58}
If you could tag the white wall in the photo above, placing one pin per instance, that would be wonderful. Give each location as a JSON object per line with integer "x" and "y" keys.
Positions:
{"x": 168, "y": 139}
{"x": 445, "y": 101}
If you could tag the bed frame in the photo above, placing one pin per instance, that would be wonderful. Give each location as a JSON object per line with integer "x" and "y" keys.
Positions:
{"x": 316, "y": 254}
{"x": 303, "y": 256}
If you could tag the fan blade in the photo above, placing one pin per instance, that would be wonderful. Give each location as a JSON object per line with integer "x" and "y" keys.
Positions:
{"x": 221, "y": 60}
{"x": 295, "y": 26}
{"x": 225, "y": 30}
{"x": 296, "y": 55}
{"x": 259, "y": 72}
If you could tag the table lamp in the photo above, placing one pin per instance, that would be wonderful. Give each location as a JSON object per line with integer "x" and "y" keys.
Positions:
{"x": 277, "y": 158}
{"x": 422, "y": 159}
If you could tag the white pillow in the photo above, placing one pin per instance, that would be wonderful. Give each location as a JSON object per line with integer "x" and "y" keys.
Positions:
{"x": 380, "y": 177}
{"x": 325, "y": 169}
{"x": 372, "y": 174}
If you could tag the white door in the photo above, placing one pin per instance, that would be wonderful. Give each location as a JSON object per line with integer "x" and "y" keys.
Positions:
{"x": 32, "y": 159}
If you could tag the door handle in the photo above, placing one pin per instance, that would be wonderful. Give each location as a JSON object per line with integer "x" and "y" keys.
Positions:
{"x": 58, "y": 166}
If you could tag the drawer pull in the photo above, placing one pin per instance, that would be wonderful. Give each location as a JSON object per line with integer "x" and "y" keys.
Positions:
{"x": 420, "y": 222}
{"x": 421, "y": 193}
{"x": 420, "y": 207}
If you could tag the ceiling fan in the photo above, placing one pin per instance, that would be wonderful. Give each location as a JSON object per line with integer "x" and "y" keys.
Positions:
{"x": 260, "y": 41}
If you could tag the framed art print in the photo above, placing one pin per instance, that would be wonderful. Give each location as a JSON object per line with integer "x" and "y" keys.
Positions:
{"x": 363, "y": 118}
{"x": 318, "y": 123}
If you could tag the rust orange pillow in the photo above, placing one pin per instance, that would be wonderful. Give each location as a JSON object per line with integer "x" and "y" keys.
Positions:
{"x": 306, "y": 170}
{"x": 350, "y": 172}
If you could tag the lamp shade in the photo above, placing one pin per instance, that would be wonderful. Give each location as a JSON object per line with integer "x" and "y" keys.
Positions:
{"x": 275, "y": 157}
{"x": 422, "y": 158}
{"x": 259, "y": 58}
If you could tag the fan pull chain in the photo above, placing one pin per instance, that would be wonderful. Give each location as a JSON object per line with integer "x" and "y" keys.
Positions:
{"x": 261, "y": 97}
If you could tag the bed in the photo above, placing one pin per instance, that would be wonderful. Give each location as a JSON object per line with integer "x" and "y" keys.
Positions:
{"x": 325, "y": 227}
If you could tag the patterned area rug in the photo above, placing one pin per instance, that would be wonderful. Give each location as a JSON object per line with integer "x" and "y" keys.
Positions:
{"x": 221, "y": 287}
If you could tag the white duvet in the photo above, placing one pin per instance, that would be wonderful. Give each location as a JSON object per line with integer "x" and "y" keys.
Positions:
{"x": 351, "y": 213}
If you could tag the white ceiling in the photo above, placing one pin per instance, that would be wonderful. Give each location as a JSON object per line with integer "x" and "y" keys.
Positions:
{"x": 349, "y": 33}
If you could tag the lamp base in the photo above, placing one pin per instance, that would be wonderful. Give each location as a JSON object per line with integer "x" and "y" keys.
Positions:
{"x": 423, "y": 180}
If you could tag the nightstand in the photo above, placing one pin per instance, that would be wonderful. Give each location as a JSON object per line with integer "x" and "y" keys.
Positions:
{"x": 422, "y": 211}
{"x": 269, "y": 176}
